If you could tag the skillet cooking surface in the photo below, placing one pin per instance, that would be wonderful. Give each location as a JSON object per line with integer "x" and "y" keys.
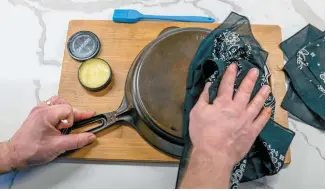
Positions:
{"x": 161, "y": 81}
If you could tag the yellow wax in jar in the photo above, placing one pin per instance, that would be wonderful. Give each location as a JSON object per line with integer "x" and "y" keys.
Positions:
{"x": 94, "y": 73}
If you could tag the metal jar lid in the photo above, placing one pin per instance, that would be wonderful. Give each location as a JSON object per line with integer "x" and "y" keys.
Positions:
{"x": 83, "y": 45}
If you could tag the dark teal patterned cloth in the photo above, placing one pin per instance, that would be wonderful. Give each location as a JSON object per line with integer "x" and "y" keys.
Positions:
{"x": 233, "y": 42}
{"x": 305, "y": 68}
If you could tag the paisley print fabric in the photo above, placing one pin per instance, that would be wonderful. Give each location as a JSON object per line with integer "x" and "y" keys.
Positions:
{"x": 233, "y": 42}
{"x": 305, "y": 69}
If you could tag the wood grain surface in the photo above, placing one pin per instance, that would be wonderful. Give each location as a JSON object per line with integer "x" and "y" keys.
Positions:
{"x": 120, "y": 45}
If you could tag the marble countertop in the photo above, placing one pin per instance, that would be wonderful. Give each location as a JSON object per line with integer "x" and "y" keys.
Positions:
{"x": 33, "y": 36}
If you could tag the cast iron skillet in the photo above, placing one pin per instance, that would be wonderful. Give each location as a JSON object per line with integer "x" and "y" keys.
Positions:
{"x": 155, "y": 89}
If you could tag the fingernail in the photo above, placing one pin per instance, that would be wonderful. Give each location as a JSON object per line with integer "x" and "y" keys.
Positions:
{"x": 65, "y": 121}
{"x": 91, "y": 138}
{"x": 233, "y": 67}
{"x": 266, "y": 89}
{"x": 268, "y": 110}
{"x": 236, "y": 67}
{"x": 255, "y": 71}
{"x": 208, "y": 84}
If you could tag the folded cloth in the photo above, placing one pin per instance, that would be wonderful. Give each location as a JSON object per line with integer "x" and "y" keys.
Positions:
{"x": 305, "y": 68}
{"x": 233, "y": 42}
{"x": 293, "y": 104}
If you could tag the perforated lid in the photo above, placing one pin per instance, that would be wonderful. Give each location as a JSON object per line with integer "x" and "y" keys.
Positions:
{"x": 83, "y": 45}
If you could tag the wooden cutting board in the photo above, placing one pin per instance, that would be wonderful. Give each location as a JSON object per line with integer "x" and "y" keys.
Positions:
{"x": 120, "y": 45}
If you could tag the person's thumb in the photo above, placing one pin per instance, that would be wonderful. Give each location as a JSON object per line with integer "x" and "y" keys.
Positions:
{"x": 75, "y": 141}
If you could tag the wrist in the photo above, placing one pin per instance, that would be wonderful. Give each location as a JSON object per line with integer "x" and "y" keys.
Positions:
{"x": 6, "y": 163}
{"x": 15, "y": 160}
{"x": 215, "y": 158}
{"x": 207, "y": 169}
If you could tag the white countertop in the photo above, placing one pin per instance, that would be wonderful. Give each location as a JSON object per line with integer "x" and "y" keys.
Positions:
{"x": 33, "y": 36}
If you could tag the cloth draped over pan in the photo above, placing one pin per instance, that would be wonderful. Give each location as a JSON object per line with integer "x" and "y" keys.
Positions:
{"x": 233, "y": 42}
{"x": 305, "y": 68}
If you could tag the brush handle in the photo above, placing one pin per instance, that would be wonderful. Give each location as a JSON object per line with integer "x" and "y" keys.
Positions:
{"x": 198, "y": 19}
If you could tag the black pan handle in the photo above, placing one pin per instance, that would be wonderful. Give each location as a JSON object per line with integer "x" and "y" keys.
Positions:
{"x": 106, "y": 120}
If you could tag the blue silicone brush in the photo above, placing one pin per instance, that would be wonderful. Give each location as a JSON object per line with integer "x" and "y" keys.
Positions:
{"x": 133, "y": 16}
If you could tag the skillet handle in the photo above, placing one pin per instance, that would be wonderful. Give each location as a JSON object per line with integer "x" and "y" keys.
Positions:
{"x": 106, "y": 120}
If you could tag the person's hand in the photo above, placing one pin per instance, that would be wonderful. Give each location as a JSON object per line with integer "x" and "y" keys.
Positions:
{"x": 227, "y": 129}
{"x": 39, "y": 139}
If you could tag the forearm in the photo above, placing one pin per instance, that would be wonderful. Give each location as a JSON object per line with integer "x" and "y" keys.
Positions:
{"x": 206, "y": 170}
{"x": 6, "y": 164}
